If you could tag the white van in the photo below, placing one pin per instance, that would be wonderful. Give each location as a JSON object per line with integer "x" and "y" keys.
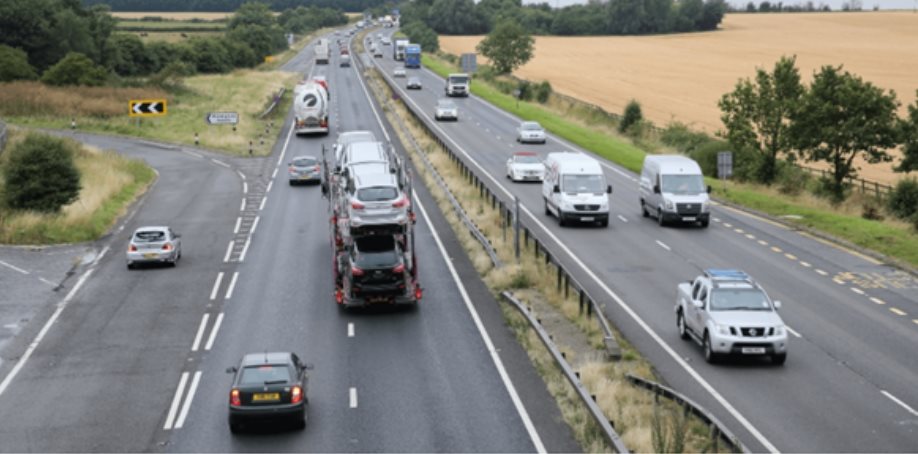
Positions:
{"x": 672, "y": 188}
{"x": 575, "y": 189}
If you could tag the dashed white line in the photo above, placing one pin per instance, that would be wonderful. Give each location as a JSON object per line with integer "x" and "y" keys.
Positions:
{"x": 200, "y": 334}
{"x": 238, "y": 223}
{"x": 776, "y": 249}
{"x": 242, "y": 207}
{"x": 213, "y": 293}
{"x": 263, "y": 201}
{"x": 857, "y": 290}
{"x": 353, "y": 397}
{"x": 877, "y": 300}
{"x": 13, "y": 267}
{"x": 350, "y": 330}
{"x": 99, "y": 257}
{"x": 245, "y": 187}
{"x": 750, "y": 236}
{"x": 229, "y": 251}
{"x": 622, "y": 218}
{"x": 897, "y": 311}
{"x": 47, "y": 282}
{"x": 838, "y": 281}
{"x": 789, "y": 330}
{"x": 790, "y": 256}
{"x": 191, "y": 390}
{"x": 739, "y": 230}
{"x": 716, "y": 219}
{"x": 220, "y": 163}
{"x": 821, "y": 272}
{"x": 254, "y": 226}
{"x": 805, "y": 264}
{"x": 241, "y": 175}
{"x": 663, "y": 245}
{"x": 274, "y": 174}
{"x": 245, "y": 249}
{"x": 270, "y": 185}
{"x": 232, "y": 285}
{"x": 176, "y": 400}
{"x": 899, "y": 402}
{"x": 728, "y": 225}
{"x": 213, "y": 332}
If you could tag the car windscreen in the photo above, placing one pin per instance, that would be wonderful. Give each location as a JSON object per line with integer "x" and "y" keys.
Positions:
{"x": 150, "y": 236}
{"x": 374, "y": 252}
{"x": 458, "y": 79}
{"x": 683, "y": 184}
{"x": 304, "y": 162}
{"x": 377, "y": 194}
{"x": 738, "y": 299}
{"x": 447, "y": 105}
{"x": 578, "y": 184}
{"x": 526, "y": 159}
{"x": 414, "y": 80}
{"x": 531, "y": 127}
{"x": 257, "y": 375}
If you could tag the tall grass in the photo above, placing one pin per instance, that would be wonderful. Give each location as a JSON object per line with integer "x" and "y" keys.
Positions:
{"x": 34, "y": 99}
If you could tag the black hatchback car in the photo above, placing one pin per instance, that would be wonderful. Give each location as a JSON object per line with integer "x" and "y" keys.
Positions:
{"x": 268, "y": 387}
{"x": 377, "y": 268}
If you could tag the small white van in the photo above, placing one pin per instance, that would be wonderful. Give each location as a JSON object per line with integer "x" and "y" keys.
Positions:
{"x": 672, "y": 188}
{"x": 574, "y": 189}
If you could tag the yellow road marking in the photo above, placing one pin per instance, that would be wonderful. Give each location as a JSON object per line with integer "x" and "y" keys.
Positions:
{"x": 791, "y": 256}
{"x": 776, "y": 249}
{"x": 763, "y": 242}
{"x": 896, "y": 311}
{"x": 836, "y": 246}
{"x": 769, "y": 221}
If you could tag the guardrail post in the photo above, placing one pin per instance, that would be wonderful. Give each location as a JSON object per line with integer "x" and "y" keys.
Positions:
{"x": 589, "y": 307}
{"x": 580, "y": 297}
{"x": 516, "y": 227}
{"x": 567, "y": 285}
{"x": 559, "y": 277}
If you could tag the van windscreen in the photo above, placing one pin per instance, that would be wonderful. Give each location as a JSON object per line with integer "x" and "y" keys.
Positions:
{"x": 683, "y": 184}
{"x": 578, "y": 184}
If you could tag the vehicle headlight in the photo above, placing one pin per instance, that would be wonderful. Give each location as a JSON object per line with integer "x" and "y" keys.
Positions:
{"x": 668, "y": 205}
{"x": 705, "y": 206}
{"x": 722, "y": 329}
{"x": 779, "y": 330}
{"x": 603, "y": 206}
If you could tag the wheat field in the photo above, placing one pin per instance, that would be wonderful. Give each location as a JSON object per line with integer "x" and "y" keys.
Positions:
{"x": 681, "y": 77}
{"x": 173, "y": 15}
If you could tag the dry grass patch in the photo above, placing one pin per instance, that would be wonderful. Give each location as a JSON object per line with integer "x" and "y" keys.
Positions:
{"x": 34, "y": 99}
{"x": 172, "y": 15}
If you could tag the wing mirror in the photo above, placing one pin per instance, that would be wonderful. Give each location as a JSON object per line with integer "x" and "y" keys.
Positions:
{"x": 656, "y": 189}
{"x": 777, "y": 305}
{"x": 609, "y": 189}
{"x": 698, "y": 303}
{"x": 709, "y": 189}
{"x": 308, "y": 366}
{"x": 231, "y": 370}
{"x": 556, "y": 189}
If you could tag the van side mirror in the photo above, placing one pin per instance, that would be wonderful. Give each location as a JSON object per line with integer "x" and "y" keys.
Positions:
{"x": 698, "y": 303}
{"x": 777, "y": 305}
{"x": 709, "y": 189}
{"x": 609, "y": 189}
{"x": 231, "y": 370}
{"x": 656, "y": 189}
{"x": 556, "y": 189}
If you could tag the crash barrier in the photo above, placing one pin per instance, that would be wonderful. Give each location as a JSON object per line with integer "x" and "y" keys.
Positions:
{"x": 277, "y": 99}
{"x": 718, "y": 431}
{"x": 2, "y": 136}
{"x": 605, "y": 425}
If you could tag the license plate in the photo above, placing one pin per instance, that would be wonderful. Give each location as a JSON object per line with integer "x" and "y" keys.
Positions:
{"x": 150, "y": 255}
{"x": 587, "y": 219}
{"x": 265, "y": 397}
{"x": 753, "y": 350}
{"x": 688, "y": 218}
{"x": 377, "y": 299}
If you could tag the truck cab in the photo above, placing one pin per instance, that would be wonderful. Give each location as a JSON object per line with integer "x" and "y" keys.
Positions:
{"x": 413, "y": 56}
{"x": 458, "y": 84}
{"x": 728, "y": 313}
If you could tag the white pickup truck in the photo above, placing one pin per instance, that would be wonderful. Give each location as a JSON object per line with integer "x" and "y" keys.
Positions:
{"x": 728, "y": 313}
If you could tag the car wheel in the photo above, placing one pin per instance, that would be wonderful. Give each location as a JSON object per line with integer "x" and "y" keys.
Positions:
{"x": 704, "y": 224}
{"x": 660, "y": 219}
{"x": 130, "y": 265}
{"x": 680, "y": 323}
{"x": 235, "y": 428}
{"x": 604, "y": 222}
{"x": 709, "y": 354}
{"x": 561, "y": 221}
{"x": 644, "y": 212}
{"x": 547, "y": 211}
{"x": 779, "y": 358}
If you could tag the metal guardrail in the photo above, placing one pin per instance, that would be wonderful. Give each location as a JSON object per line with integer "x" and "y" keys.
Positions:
{"x": 605, "y": 425}
{"x": 718, "y": 430}
{"x": 277, "y": 98}
{"x": 3, "y": 135}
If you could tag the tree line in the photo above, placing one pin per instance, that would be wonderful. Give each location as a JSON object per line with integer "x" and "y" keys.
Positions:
{"x": 615, "y": 17}
{"x": 229, "y": 5}
{"x": 63, "y": 43}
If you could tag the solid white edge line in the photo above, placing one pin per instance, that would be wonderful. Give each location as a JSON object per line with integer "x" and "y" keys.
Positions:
{"x": 47, "y": 282}
{"x": 99, "y": 257}
{"x": 245, "y": 248}
{"x": 901, "y": 404}
{"x": 524, "y": 415}
{"x": 245, "y": 187}
{"x": 352, "y": 397}
{"x": 241, "y": 175}
{"x": 44, "y": 331}
{"x": 188, "y": 398}
{"x": 270, "y": 185}
{"x": 350, "y": 329}
{"x": 200, "y": 334}
{"x": 217, "y": 282}
{"x": 13, "y": 267}
{"x": 238, "y": 223}
{"x": 274, "y": 174}
{"x": 621, "y": 303}
{"x": 280, "y": 158}
{"x": 176, "y": 400}
{"x": 254, "y": 226}
{"x": 213, "y": 332}
{"x": 191, "y": 153}
{"x": 220, "y": 163}
{"x": 662, "y": 245}
{"x": 229, "y": 251}
{"x": 792, "y": 331}
{"x": 264, "y": 200}
{"x": 232, "y": 285}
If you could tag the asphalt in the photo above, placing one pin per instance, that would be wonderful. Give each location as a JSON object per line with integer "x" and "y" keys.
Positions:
{"x": 848, "y": 384}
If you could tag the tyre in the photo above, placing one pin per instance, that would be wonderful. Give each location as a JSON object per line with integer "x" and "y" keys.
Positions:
{"x": 561, "y": 221}
{"x": 778, "y": 359}
{"x": 680, "y": 323}
{"x": 644, "y": 212}
{"x": 660, "y": 219}
{"x": 235, "y": 428}
{"x": 704, "y": 224}
{"x": 130, "y": 265}
{"x": 709, "y": 354}
{"x": 604, "y": 222}
{"x": 547, "y": 211}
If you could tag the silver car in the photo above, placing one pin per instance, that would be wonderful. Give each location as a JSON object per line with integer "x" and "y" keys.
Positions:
{"x": 304, "y": 169}
{"x": 413, "y": 83}
{"x": 375, "y": 199}
{"x": 155, "y": 244}
{"x": 347, "y": 138}
{"x": 399, "y": 71}
{"x": 446, "y": 110}
{"x": 530, "y": 131}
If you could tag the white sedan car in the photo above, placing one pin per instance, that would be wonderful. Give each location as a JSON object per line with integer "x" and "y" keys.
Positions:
{"x": 446, "y": 110}
{"x": 399, "y": 72}
{"x": 157, "y": 244}
{"x": 525, "y": 166}
{"x": 530, "y": 131}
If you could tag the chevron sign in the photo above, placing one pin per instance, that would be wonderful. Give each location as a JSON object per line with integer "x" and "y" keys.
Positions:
{"x": 147, "y": 107}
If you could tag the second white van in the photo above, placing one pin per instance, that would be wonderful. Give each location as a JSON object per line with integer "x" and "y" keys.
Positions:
{"x": 574, "y": 189}
{"x": 672, "y": 188}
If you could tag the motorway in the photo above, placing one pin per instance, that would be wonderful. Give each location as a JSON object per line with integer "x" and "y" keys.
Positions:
{"x": 849, "y": 381}
{"x": 135, "y": 360}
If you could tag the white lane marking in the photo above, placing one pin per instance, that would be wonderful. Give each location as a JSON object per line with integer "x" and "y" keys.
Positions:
{"x": 280, "y": 158}
{"x": 44, "y": 331}
{"x": 763, "y": 242}
{"x": 750, "y": 236}
{"x": 13, "y": 267}
{"x": 245, "y": 187}
{"x": 353, "y": 397}
{"x": 241, "y": 175}
{"x": 245, "y": 249}
{"x": 176, "y": 400}
{"x": 662, "y": 245}
{"x": 899, "y": 402}
{"x": 790, "y": 256}
{"x": 191, "y": 153}
{"x": 238, "y": 223}
{"x": 805, "y": 264}
{"x": 622, "y": 218}
{"x": 229, "y": 251}
{"x": 200, "y": 334}
{"x": 821, "y": 272}
{"x": 857, "y": 290}
{"x": 242, "y": 207}
{"x": 274, "y": 174}
{"x": 47, "y": 282}
{"x": 270, "y": 185}
{"x": 776, "y": 249}
{"x": 350, "y": 330}
{"x": 213, "y": 332}
{"x": 877, "y": 300}
{"x": 792, "y": 331}
{"x": 254, "y": 226}
{"x": 99, "y": 257}
{"x": 728, "y": 225}
{"x": 716, "y": 219}
{"x": 188, "y": 398}
{"x": 232, "y": 285}
{"x": 213, "y": 293}
{"x": 263, "y": 201}
{"x": 739, "y": 230}
{"x": 640, "y": 321}
{"x": 220, "y": 163}
{"x": 838, "y": 281}
{"x": 896, "y": 311}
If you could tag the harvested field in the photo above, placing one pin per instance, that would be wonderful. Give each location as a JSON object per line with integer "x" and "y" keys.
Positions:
{"x": 187, "y": 15}
{"x": 173, "y": 37}
{"x": 681, "y": 77}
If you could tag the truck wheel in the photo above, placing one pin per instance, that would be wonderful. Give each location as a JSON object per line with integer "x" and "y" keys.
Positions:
{"x": 778, "y": 359}
{"x": 680, "y": 323}
{"x": 709, "y": 354}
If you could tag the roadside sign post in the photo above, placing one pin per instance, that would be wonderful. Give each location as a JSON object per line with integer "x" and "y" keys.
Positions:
{"x": 724, "y": 166}
{"x": 516, "y": 94}
{"x": 147, "y": 108}
{"x": 468, "y": 62}
{"x": 222, "y": 118}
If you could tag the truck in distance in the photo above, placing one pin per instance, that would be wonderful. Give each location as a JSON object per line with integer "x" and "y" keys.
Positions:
{"x": 310, "y": 107}
{"x": 398, "y": 49}
{"x": 321, "y": 52}
{"x": 413, "y": 56}
{"x": 457, "y": 84}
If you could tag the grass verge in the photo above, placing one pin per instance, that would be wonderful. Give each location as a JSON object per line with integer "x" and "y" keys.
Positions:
{"x": 894, "y": 239}
{"x": 116, "y": 182}
{"x": 644, "y": 424}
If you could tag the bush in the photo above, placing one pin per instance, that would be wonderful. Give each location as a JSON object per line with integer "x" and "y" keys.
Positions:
{"x": 632, "y": 115}
{"x": 791, "y": 180}
{"x": 871, "y": 210}
{"x": 75, "y": 69}
{"x": 543, "y": 91}
{"x": 680, "y": 137}
{"x": 903, "y": 200}
{"x": 40, "y": 174}
{"x": 14, "y": 65}
{"x": 706, "y": 156}
{"x": 525, "y": 89}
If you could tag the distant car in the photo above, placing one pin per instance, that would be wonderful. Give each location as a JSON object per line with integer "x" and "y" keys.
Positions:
{"x": 399, "y": 72}
{"x": 525, "y": 166}
{"x": 413, "y": 83}
{"x": 446, "y": 110}
{"x": 386, "y": 41}
{"x": 154, "y": 245}
{"x": 345, "y": 61}
{"x": 529, "y": 132}
{"x": 304, "y": 169}
{"x": 266, "y": 387}
{"x": 377, "y": 51}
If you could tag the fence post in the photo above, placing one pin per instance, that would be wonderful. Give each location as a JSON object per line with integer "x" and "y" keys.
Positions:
{"x": 516, "y": 227}
{"x": 581, "y": 301}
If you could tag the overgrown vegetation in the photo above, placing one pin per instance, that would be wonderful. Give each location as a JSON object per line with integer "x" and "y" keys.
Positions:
{"x": 508, "y": 47}
{"x": 40, "y": 174}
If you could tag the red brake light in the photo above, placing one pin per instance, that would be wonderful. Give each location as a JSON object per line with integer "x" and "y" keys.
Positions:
{"x": 296, "y": 395}
{"x": 339, "y": 296}
{"x": 317, "y": 168}
{"x": 400, "y": 268}
{"x": 291, "y": 169}
{"x": 418, "y": 292}
{"x": 400, "y": 203}
{"x": 357, "y": 205}
{"x": 167, "y": 247}
{"x": 234, "y": 397}
{"x": 356, "y": 271}
{"x": 132, "y": 248}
